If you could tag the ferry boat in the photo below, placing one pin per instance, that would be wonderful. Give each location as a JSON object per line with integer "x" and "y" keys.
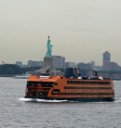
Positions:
{"x": 70, "y": 88}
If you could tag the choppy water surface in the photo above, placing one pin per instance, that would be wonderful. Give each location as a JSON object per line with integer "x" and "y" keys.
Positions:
{"x": 17, "y": 112}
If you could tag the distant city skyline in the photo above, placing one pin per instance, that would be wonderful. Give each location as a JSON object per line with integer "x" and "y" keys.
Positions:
{"x": 80, "y": 30}
{"x": 59, "y": 62}
{"x": 41, "y": 59}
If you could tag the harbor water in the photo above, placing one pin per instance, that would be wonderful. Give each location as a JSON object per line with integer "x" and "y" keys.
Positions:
{"x": 18, "y": 112}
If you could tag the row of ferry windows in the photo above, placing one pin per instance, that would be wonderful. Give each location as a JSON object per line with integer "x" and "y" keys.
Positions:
{"x": 86, "y": 82}
{"x": 45, "y": 84}
{"x": 64, "y": 93}
{"x": 69, "y": 87}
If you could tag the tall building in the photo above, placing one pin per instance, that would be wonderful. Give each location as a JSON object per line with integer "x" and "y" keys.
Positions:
{"x": 107, "y": 64}
{"x": 58, "y": 62}
{"x": 32, "y": 63}
{"x": 106, "y": 60}
{"x": 85, "y": 68}
{"x": 93, "y": 65}
{"x": 70, "y": 65}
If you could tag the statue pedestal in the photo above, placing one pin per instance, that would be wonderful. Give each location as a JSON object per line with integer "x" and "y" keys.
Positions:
{"x": 48, "y": 63}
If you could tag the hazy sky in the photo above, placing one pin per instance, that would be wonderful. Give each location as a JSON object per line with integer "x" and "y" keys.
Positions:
{"x": 80, "y": 30}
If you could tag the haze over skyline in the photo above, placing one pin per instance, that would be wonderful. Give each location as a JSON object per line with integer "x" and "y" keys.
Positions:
{"x": 80, "y": 30}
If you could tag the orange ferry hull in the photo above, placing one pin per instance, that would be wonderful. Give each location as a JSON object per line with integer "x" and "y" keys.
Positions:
{"x": 61, "y": 88}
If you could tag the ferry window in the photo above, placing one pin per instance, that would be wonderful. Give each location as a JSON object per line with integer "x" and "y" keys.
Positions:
{"x": 28, "y": 84}
{"x": 47, "y": 84}
{"x": 71, "y": 82}
{"x": 78, "y": 82}
{"x": 34, "y": 93}
{"x": 31, "y": 84}
{"x": 68, "y": 82}
{"x": 55, "y": 91}
{"x": 39, "y": 84}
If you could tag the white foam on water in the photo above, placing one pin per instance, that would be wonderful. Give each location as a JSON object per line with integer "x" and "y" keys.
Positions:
{"x": 118, "y": 100}
{"x": 41, "y": 100}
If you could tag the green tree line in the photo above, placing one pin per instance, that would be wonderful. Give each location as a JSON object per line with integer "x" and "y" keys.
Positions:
{"x": 13, "y": 69}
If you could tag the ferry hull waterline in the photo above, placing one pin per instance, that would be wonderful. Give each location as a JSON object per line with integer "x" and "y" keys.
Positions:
{"x": 61, "y": 88}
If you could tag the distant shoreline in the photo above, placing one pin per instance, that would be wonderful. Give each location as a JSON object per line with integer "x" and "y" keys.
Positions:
{"x": 6, "y": 75}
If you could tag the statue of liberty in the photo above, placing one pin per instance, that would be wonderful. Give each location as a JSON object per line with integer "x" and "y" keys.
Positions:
{"x": 49, "y": 48}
